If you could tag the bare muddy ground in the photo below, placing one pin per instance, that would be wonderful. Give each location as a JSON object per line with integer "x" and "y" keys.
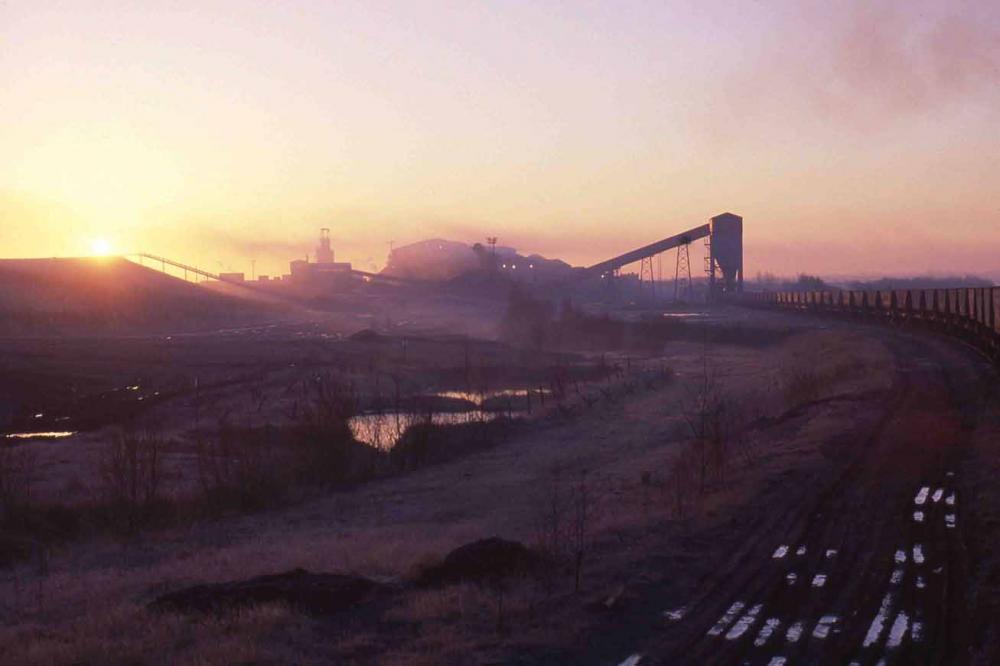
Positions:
{"x": 866, "y": 563}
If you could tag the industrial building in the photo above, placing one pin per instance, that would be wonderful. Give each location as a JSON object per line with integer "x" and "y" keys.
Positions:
{"x": 324, "y": 272}
{"x": 459, "y": 266}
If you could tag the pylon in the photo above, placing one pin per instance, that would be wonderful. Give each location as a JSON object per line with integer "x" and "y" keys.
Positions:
{"x": 682, "y": 273}
{"x": 646, "y": 275}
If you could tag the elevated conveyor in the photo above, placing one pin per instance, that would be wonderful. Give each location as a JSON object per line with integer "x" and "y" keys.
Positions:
{"x": 651, "y": 250}
{"x": 724, "y": 263}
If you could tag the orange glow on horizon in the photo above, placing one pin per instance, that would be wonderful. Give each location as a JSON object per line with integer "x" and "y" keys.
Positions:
{"x": 852, "y": 137}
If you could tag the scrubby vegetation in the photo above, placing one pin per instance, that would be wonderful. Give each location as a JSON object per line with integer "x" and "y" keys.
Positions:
{"x": 602, "y": 450}
{"x": 533, "y": 323}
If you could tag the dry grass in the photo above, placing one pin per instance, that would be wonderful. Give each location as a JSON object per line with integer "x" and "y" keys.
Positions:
{"x": 128, "y": 634}
{"x": 453, "y": 620}
{"x": 87, "y": 607}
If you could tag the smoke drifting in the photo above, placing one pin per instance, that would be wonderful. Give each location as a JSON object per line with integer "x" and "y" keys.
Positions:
{"x": 273, "y": 250}
{"x": 867, "y": 65}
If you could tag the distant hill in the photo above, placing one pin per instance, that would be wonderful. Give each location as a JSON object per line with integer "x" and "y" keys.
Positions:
{"x": 89, "y": 295}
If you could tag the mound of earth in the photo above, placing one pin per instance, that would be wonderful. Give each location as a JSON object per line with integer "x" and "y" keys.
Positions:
{"x": 90, "y": 295}
{"x": 486, "y": 560}
{"x": 365, "y": 335}
{"x": 312, "y": 593}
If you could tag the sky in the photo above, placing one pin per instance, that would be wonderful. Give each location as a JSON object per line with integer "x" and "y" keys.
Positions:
{"x": 855, "y": 138}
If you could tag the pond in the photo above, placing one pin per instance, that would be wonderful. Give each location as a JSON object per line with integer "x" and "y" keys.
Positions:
{"x": 384, "y": 430}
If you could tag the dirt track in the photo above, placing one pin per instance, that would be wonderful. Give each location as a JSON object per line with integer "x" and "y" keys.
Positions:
{"x": 867, "y": 566}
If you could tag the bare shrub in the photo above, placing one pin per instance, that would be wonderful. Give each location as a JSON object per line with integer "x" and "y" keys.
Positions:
{"x": 563, "y": 522}
{"x": 242, "y": 467}
{"x": 711, "y": 417}
{"x": 329, "y": 451}
{"x": 801, "y": 385}
{"x": 131, "y": 476}
{"x": 682, "y": 484}
{"x": 717, "y": 423}
{"x": 416, "y": 439}
{"x": 549, "y": 519}
{"x": 580, "y": 525}
{"x": 381, "y": 430}
{"x": 17, "y": 472}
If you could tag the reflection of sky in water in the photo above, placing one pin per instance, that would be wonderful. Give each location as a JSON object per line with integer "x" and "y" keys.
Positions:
{"x": 384, "y": 430}
{"x": 55, "y": 434}
{"x": 479, "y": 398}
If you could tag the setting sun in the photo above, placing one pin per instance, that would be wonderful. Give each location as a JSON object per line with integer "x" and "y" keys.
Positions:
{"x": 100, "y": 247}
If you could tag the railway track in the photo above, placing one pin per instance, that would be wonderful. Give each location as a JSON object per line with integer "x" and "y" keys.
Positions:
{"x": 868, "y": 569}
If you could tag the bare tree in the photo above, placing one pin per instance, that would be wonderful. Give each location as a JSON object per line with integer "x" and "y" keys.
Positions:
{"x": 711, "y": 418}
{"x": 17, "y": 472}
{"x": 131, "y": 476}
{"x": 580, "y": 503}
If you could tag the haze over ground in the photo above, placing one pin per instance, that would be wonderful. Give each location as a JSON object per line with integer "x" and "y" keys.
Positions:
{"x": 854, "y": 137}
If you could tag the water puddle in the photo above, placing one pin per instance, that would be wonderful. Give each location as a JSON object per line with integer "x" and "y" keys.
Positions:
{"x": 51, "y": 434}
{"x": 824, "y": 626}
{"x": 878, "y": 623}
{"x": 481, "y": 398}
{"x": 744, "y": 623}
{"x": 898, "y": 631}
{"x": 676, "y": 614}
{"x": 770, "y": 626}
{"x": 383, "y": 431}
{"x": 727, "y": 618}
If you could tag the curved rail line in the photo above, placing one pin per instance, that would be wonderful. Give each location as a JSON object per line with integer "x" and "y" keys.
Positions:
{"x": 969, "y": 314}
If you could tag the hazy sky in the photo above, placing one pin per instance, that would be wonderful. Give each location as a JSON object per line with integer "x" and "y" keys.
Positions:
{"x": 854, "y": 137}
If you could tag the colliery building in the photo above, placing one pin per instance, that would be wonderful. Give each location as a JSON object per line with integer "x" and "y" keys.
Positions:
{"x": 324, "y": 271}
